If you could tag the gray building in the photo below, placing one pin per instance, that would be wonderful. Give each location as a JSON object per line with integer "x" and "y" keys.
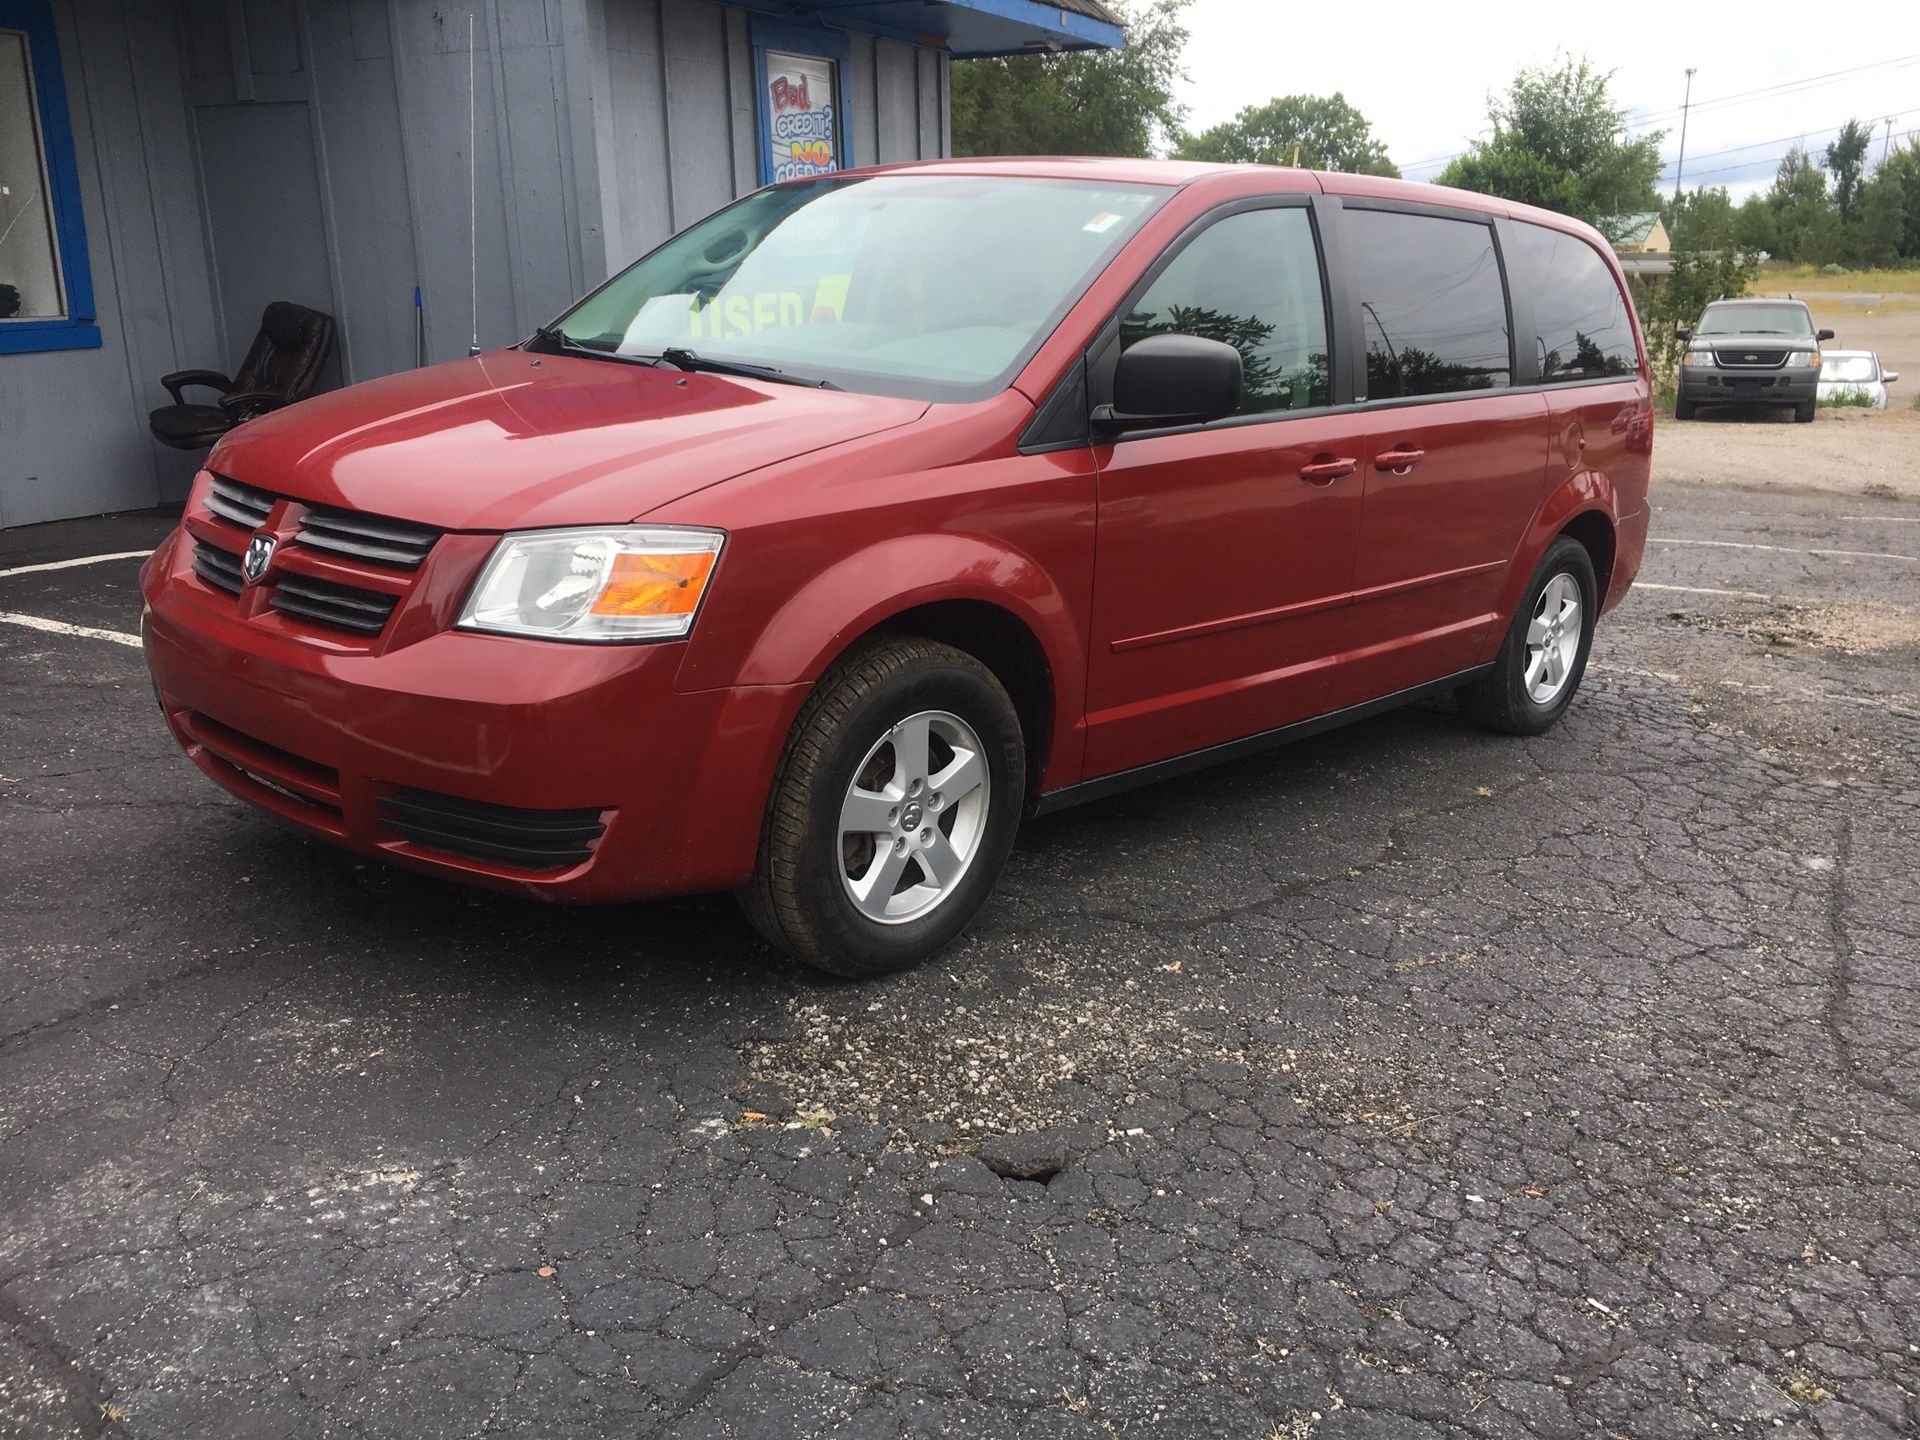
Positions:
{"x": 168, "y": 167}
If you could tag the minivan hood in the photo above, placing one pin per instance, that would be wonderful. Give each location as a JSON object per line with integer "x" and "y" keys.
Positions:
{"x": 511, "y": 440}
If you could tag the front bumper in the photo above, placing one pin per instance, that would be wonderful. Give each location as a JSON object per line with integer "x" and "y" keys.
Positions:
{"x": 343, "y": 743}
{"x": 1790, "y": 384}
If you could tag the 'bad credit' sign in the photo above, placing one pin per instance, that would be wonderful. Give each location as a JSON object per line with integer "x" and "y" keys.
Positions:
{"x": 798, "y": 109}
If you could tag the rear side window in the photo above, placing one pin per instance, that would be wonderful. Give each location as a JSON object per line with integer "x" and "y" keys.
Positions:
{"x": 1253, "y": 281}
{"x": 1581, "y": 327}
{"x": 1433, "y": 309}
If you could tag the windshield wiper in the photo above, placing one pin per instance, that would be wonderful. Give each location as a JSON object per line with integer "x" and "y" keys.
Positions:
{"x": 554, "y": 336}
{"x": 682, "y": 358}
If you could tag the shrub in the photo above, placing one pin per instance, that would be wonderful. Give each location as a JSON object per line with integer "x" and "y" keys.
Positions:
{"x": 1849, "y": 400}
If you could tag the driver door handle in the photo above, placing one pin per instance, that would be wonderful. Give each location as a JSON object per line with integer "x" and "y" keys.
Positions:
{"x": 1399, "y": 460}
{"x": 1325, "y": 472}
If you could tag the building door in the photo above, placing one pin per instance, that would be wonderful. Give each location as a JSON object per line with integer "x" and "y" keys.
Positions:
{"x": 264, "y": 211}
{"x": 259, "y": 168}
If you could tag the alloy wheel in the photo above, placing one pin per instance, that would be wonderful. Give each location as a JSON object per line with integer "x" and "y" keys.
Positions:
{"x": 1553, "y": 639}
{"x": 913, "y": 817}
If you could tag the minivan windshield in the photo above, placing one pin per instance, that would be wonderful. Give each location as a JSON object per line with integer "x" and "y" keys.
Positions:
{"x": 932, "y": 286}
{"x": 1790, "y": 319}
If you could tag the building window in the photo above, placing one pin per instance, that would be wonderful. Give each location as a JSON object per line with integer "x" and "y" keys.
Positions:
{"x": 801, "y": 75}
{"x": 46, "y": 290}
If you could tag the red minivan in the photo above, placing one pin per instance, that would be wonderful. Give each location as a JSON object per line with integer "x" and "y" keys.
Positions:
{"x": 877, "y": 511}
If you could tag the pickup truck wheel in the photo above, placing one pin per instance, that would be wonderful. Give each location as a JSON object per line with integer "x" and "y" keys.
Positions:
{"x": 1683, "y": 409}
{"x": 1540, "y": 663}
{"x": 892, "y": 811}
{"x": 1803, "y": 412}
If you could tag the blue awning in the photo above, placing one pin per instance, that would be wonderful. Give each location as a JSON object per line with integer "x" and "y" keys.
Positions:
{"x": 971, "y": 29}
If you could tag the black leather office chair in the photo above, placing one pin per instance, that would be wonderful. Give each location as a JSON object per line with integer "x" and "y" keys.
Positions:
{"x": 282, "y": 366}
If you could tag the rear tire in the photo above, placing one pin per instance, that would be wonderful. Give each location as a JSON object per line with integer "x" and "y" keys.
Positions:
{"x": 1803, "y": 412}
{"x": 892, "y": 812}
{"x": 1538, "y": 669}
{"x": 1683, "y": 409}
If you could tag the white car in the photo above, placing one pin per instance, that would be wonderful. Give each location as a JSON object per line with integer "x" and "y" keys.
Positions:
{"x": 1845, "y": 372}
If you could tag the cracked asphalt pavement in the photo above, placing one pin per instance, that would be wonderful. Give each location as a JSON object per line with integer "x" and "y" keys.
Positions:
{"x": 1406, "y": 1082}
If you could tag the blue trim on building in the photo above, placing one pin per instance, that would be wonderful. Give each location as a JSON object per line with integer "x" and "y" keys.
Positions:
{"x": 966, "y": 29}
{"x": 801, "y": 40}
{"x": 77, "y": 331}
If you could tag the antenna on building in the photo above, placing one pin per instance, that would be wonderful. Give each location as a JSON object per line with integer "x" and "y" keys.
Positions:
{"x": 473, "y": 204}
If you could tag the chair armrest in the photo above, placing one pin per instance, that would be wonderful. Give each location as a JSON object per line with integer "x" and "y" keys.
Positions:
{"x": 179, "y": 379}
{"x": 245, "y": 404}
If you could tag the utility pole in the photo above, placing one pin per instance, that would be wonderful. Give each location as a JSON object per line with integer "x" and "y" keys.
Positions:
{"x": 1680, "y": 165}
{"x": 1887, "y": 143}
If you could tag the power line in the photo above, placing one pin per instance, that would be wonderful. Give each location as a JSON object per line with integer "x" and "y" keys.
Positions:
{"x": 1742, "y": 97}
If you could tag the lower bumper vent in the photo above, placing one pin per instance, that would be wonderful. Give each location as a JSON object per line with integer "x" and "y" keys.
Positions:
{"x": 503, "y": 834}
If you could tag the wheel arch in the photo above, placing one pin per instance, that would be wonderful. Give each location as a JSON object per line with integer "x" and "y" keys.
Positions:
{"x": 981, "y": 596}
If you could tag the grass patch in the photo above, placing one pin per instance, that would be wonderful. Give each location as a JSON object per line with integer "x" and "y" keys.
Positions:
{"x": 1774, "y": 277}
{"x": 1848, "y": 400}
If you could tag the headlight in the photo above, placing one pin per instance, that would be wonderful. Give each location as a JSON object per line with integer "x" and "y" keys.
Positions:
{"x": 1697, "y": 357}
{"x": 1813, "y": 359}
{"x": 618, "y": 582}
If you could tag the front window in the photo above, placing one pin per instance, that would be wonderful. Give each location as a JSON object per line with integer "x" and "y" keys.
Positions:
{"x": 1756, "y": 320}
{"x": 30, "y": 287}
{"x": 938, "y": 287}
{"x": 1850, "y": 369}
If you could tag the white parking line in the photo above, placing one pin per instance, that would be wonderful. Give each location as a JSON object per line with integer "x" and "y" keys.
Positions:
{"x": 1888, "y": 519}
{"x": 60, "y": 627}
{"x": 69, "y": 564}
{"x": 1702, "y": 590}
{"x": 1788, "y": 549}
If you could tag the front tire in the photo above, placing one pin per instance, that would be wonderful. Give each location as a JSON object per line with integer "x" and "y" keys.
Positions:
{"x": 1803, "y": 412}
{"x": 1533, "y": 678}
{"x": 1683, "y": 409}
{"x": 892, "y": 812}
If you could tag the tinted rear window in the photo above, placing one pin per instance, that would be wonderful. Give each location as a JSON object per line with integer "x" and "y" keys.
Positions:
{"x": 1581, "y": 329}
{"x": 1432, "y": 306}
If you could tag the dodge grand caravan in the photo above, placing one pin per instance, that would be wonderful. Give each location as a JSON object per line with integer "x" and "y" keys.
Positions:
{"x": 876, "y": 512}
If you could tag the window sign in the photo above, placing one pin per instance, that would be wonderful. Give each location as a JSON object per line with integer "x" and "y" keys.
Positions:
{"x": 29, "y": 259}
{"x": 802, "y": 115}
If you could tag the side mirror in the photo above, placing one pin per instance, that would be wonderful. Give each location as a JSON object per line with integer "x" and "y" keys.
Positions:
{"x": 1887, "y": 377}
{"x": 1823, "y": 335}
{"x": 1172, "y": 380}
{"x": 1682, "y": 332}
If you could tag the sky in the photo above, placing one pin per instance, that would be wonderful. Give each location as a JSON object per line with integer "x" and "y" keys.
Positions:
{"x": 1421, "y": 72}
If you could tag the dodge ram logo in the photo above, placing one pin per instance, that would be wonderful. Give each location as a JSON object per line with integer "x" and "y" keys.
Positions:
{"x": 259, "y": 555}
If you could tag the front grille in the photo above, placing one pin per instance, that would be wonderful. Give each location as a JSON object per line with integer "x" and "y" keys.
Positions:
{"x": 528, "y": 839}
{"x": 1755, "y": 359}
{"x": 219, "y": 568}
{"x": 366, "y": 537}
{"x": 241, "y": 504}
{"x": 350, "y": 546}
{"x": 347, "y": 607}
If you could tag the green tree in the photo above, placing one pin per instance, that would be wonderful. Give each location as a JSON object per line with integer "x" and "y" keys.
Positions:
{"x": 1846, "y": 159}
{"x": 1890, "y": 206}
{"x": 1805, "y": 226}
{"x": 1087, "y": 102}
{"x": 1700, "y": 220}
{"x": 1559, "y": 141}
{"x": 1328, "y": 133}
{"x": 1754, "y": 228}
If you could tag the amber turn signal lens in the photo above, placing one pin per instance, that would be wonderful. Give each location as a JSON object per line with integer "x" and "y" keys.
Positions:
{"x": 655, "y": 584}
